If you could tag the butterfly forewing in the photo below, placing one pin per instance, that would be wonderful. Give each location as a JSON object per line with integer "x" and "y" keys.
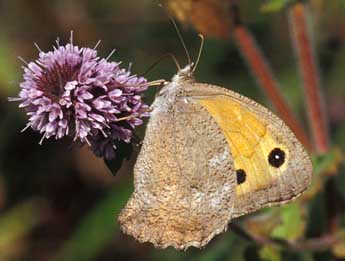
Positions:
{"x": 272, "y": 167}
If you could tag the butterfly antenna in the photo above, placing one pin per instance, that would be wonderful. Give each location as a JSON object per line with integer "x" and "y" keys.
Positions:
{"x": 179, "y": 35}
{"x": 200, "y": 51}
{"x": 172, "y": 56}
{"x": 182, "y": 41}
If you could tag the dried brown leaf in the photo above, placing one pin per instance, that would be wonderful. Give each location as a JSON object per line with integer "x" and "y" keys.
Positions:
{"x": 209, "y": 17}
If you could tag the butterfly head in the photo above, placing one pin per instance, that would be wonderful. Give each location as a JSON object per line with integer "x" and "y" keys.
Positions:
{"x": 184, "y": 74}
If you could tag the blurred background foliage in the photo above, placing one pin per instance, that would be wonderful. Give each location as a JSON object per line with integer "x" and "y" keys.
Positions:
{"x": 60, "y": 202}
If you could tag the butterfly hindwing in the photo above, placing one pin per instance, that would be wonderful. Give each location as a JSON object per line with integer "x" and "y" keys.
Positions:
{"x": 184, "y": 178}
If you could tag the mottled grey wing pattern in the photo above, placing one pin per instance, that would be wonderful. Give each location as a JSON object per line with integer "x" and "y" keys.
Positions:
{"x": 183, "y": 180}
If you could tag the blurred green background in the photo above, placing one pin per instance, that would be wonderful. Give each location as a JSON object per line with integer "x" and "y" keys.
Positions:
{"x": 60, "y": 202}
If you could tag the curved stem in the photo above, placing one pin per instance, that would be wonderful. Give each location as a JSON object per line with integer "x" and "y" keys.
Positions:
{"x": 262, "y": 72}
{"x": 310, "y": 74}
{"x": 314, "y": 244}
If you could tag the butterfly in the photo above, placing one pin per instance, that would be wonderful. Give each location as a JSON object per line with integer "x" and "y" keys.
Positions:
{"x": 209, "y": 155}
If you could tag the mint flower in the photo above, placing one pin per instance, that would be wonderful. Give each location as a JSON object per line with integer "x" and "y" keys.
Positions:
{"x": 70, "y": 91}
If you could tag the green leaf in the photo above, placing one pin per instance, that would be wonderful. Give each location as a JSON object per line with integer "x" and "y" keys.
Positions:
{"x": 15, "y": 224}
{"x": 262, "y": 225}
{"x": 97, "y": 229}
{"x": 8, "y": 68}
{"x": 123, "y": 151}
{"x": 324, "y": 162}
{"x": 270, "y": 253}
{"x": 338, "y": 249}
{"x": 292, "y": 222}
{"x": 221, "y": 249}
{"x": 272, "y": 6}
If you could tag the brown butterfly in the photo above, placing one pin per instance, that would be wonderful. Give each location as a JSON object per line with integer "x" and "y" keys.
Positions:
{"x": 209, "y": 155}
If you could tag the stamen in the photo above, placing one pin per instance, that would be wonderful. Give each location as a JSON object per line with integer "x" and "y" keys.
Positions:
{"x": 104, "y": 134}
{"x": 26, "y": 127}
{"x": 14, "y": 99}
{"x": 71, "y": 37}
{"x": 22, "y": 59}
{"x": 38, "y": 48}
{"x": 87, "y": 141}
{"x": 57, "y": 42}
{"x": 97, "y": 44}
{"x": 111, "y": 53}
{"x": 129, "y": 67}
{"x": 43, "y": 137}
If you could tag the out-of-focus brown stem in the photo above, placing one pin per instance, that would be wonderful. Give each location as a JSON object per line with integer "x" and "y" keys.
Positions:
{"x": 265, "y": 78}
{"x": 314, "y": 244}
{"x": 310, "y": 75}
{"x": 299, "y": 15}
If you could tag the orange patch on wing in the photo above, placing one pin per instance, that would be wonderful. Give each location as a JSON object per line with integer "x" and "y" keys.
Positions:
{"x": 248, "y": 139}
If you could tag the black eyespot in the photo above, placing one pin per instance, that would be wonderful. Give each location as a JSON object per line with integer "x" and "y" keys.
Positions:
{"x": 276, "y": 157}
{"x": 241, "y": 176}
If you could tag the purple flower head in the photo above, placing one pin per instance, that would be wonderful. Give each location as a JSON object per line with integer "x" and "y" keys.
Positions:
{"x": 70, "y": 91}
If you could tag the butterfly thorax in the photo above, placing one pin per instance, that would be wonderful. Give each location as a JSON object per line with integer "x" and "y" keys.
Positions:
{"x": 180, "y": 80}
{"x": 175, "y": 89}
